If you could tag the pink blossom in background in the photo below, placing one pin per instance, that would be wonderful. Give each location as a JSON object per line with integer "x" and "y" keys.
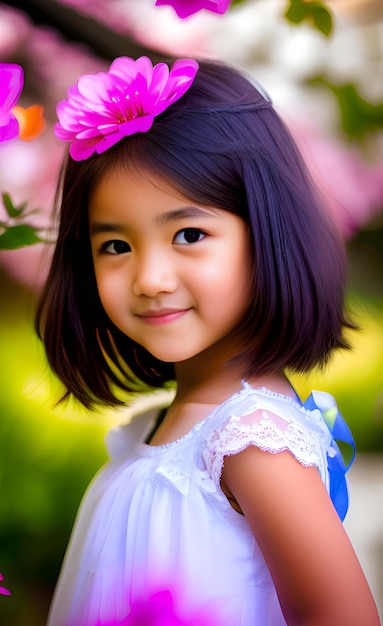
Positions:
{"x": 3, "y": 591}
{"x": 29, "y": 173}
{"x": 352, "y": 187}
{"x": 185, "y": 8}
{"x": 162, "y": 30}
{"x": 142, "y": 22}
{"x": 14, "y": 30}
{"x": 53, "y": 63}
{"x": 11, "y": 85}
{"x": 56, "y": 65}
{"x": 114, "y": 17}
{"x": 104, "y": 108}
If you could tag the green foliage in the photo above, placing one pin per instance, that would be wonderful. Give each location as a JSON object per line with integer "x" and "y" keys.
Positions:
{"x": 313, "y": 12}
{"x": 13, "y": 234}
{"x": 11, "y": 209}
{"x": 358, "y": 116}
{"x": 18, "y": 236}
{"x": 48, "y": 457}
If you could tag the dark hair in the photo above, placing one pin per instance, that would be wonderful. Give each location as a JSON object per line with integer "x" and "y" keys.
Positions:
{"x": 222, "y": 144}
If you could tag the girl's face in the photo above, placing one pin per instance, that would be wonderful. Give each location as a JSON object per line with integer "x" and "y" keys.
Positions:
{"x": 173, "y": 275}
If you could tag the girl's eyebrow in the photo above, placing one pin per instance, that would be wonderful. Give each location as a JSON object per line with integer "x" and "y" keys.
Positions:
{"x": 163, "y": 218}
{"x": 182, "y": 212}
{"x": 104, "y": 227}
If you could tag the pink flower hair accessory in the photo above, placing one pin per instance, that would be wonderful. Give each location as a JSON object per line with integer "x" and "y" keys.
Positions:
{"x": 101, "y": 109}
{"x": 185, "y": 8}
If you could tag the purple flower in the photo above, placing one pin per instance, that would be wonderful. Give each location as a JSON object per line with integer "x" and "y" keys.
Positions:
{"x": 104, "y": 108}
{"x": 184, "y": 8}
{"x": 11, "y": 84}
{"x": 3, "y": 590}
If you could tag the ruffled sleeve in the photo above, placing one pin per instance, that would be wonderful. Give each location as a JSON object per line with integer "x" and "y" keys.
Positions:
{"x": 271, "y": 424}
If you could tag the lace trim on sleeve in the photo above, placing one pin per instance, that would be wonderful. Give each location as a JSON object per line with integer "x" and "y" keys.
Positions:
{"x": 266, "y": 431}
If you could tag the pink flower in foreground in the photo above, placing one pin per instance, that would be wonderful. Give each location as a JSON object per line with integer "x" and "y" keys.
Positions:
{"x": 158, "y": 610}
{"x": 185, "y": 8}
{"x": 104, "y": 108}
{"x": 3, "y": 591}
{"x": 11, "y": 84}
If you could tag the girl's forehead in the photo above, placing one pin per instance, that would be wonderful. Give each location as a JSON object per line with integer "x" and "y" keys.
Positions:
{"x": 129, "y": 193}
{"x": 130, "y": 176}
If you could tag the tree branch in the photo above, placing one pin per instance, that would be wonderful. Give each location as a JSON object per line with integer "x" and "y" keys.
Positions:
{"x": 73, "y": 26}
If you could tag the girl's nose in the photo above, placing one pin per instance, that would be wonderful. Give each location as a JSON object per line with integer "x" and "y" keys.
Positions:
{"x": 154, "y": 274}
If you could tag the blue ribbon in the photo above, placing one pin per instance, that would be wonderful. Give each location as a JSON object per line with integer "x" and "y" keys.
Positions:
{"x": 339, "y": 430}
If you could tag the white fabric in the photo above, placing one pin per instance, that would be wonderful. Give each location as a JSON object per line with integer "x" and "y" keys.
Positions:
{"x": 156, "y": 518}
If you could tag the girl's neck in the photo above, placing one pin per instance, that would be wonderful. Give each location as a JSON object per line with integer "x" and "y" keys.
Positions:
{"x": 208, "y": 378}
{"x": 212, "y": 383}
{"x": 211, "y": 389}
{"x": 204, "y": 384}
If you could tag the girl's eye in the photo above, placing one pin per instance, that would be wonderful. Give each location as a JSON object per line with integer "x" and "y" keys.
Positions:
{"x": 115, "y": 247}
{"x": 189, "y": 235}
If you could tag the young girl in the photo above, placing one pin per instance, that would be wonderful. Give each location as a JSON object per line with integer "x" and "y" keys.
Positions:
{"x": 192, "y": 248}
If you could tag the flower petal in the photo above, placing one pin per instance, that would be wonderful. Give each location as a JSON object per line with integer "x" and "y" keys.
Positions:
{"x": 11, "y": 85}
{"x": 9, "y": 129}
{"x": 95, "y": 88}
{"x": 104, "y": 108}
{"x": 4, "y": 592}
{"x": 84, "y": 148}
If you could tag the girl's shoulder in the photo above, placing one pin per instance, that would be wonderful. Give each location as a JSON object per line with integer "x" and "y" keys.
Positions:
{"x": 122, "y": 439}
{"x": 271, "y": 421}
{"x": 252, "y": 405}
{"x": 140, "y": 419}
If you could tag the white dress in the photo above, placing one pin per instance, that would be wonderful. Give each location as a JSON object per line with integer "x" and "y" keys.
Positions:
{"x": 155, "y": 519}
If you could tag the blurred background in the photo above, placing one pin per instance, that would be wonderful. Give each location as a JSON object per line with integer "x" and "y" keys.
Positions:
{"x": 329, "y": 89}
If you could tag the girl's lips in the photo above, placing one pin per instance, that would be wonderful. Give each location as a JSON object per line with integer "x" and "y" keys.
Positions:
{"x": 162, "y": 316}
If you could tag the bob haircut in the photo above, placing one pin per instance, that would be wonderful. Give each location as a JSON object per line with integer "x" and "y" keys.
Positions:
{"x": 222, "y": 145}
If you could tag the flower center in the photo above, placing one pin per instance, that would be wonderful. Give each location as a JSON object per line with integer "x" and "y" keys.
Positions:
{"x": 128, "y": 106}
